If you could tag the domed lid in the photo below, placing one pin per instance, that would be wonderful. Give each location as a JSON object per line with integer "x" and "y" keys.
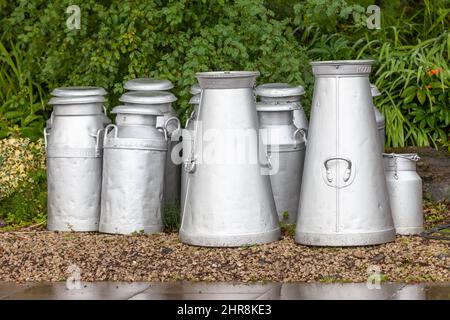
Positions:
{"x": 148, "y": 84}
{"x": 227, "y": 79}
{"x": 374, "y": 90}
{"x": 78, "y": 91}
{"x": 76, "y": 100}
{"x": 136, "y": 109}
{"x": 195, "y": 99}
{"x": 271, "y": 107}
{"x": 196, "y": 89}
{"x": 275, "y": 90}
{"x": 342, "y": 67}
{"x": 147, "y": 97}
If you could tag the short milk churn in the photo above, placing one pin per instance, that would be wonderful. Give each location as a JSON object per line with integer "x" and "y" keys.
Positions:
{"x": 134, "y": 155}
{"x": 172, "y": 173}
{"x": 188, "y": 138}
{"x": 279, "y": 93}
{"x": 343, "y": 199}
{"x": 405, "y": 192}
{"x": 229, "y": 201}
{"x": 379, "y": 117}
{"x": 286, "y": 147}
{"x": 74, "y": 162}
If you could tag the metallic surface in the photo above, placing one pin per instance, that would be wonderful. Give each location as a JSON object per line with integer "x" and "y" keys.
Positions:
{"x": 188, "y": 140}
{"x": 286, "y": 146}
{"x": 379, "y": 117}
{"x": 150, "y": 93}
{"x": 74, "y": 163}
{"x": 147, "y": 84}
{"x": 343, "y": 199}
{"x": 133, "y": 173}
{"x": 279, "y": 93}
{"x": 227, "y": 203}
{"x": 405, "y": 192}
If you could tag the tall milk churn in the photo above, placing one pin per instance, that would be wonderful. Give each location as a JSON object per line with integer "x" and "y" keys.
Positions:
{"x": 188, "y": 138}
{"x": 134, "y": 156}
{"x": 405, "y": 192}
{"x": 229, "y": 201}
{"x": 379, "y": 117}
{"x": 173, "y": 170}
{"x": 74, "y": 162}
{"x": 343, "y": 199}
{"x": 285, "y": 140}
{"x": 279, "y": 93}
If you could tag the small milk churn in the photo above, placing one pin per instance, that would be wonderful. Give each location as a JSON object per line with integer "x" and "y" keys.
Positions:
{"x": 405, "y": 192}
{"x": 379, "y": 117}
{"x": 172, "y": 172}
{"x": 279, "y": 93}
{"x": 74, "y": 163}
{"x": 188, "y": 138}
{"x": 229, "y": 201}
{"x": 343, "y": 199}
{"x": 286, "y": 146}
{"x": 134, "y": 155}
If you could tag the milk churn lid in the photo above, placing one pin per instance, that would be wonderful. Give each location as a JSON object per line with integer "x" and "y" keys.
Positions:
{"x": 148, "y": 84}
{"x": 195, "y": 89}
{"x": 279, "y": 90}
{"x": 227, "y": 79}
{"x": 136, "y": 109}
{"x": 147, "y": 97}
{"x": 195, "y": 99}
{"x": 342, "y": 67}
{"x": 76, "y": 100}
{"x": 78, "y": 91}
{"x": 374, "y": 90}
{"x": 268, "y": 107}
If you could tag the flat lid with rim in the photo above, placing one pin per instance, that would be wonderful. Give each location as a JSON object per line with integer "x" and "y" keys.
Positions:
{"x": 227, "y": 79}
{"x": 272, "y": 107}
{"x": 76, "y": 100}
{"x": 374, "y": 90}
{"x": 148, "y": 84}
{"x": 195, "y": 89}
{"x": 342, "y": 67}
{"x": 195, "y": 99}
{"x": 274, "y": 90}
{"x": 147, "y": 97}
{"x": 78, "y": 91}
{"x": 136, "y": 109}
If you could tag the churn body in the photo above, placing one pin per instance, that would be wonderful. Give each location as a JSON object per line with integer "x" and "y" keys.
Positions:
{"x": 228, "y": 202}
{"x": 74, "y": 163}
{"x": 343, "y": 199}
{"x": 405, "y": 192}
{"x": 133, "y": 172}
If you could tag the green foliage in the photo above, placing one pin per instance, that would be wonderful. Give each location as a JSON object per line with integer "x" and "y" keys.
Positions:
{"x": 171, "y": 39}
{"x": 28, "y": 204}
{"x": 172, "y": 218}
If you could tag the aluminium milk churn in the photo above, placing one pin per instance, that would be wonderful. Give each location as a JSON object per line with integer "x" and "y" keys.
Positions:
{"x": 229, "y": 201}
{"x": 343, "y": 199}
{"x": 286, "y": 146}
{"x": 173, "y": 168}
{"x": 134, "y": 155}
{"x": 74, "y": 162}
{"x": 379, "y": 117}
{"x": 279, "y": 93}
{"x": 188, "y": 139}
{"x": 405, "y": 192}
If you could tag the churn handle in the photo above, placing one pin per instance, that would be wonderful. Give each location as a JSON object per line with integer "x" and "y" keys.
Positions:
{"x": 269, "y": 162}
{"x": 348, "y": 171}
{"x": 189, "y": 165}
{"x": 166, "y": 133}
{"x": 46, "y": 134}
{"x": 303, "y": 132}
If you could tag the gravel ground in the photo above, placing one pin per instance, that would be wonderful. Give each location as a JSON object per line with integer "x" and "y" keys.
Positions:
{"x": 46, "y": 256}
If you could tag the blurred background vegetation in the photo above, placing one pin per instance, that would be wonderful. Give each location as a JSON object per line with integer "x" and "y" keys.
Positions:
{"x": 174, "y": 39}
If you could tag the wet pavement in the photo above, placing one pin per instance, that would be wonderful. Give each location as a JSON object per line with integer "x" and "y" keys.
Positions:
{"x": 222, "y": 291}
